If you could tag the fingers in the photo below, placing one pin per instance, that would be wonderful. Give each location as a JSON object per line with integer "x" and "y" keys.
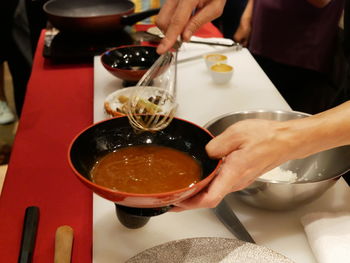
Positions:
{"x": 224, "y": 143}
{"x": 244, "y": 42}
{"x": 202, "y": 16}
{"x": 172, "y": 20}
{"x": 210, "y": 197}
{"x": 165, "y": 13}
{"x": 240, "y": 39}
{"x": 235, "y": 174}
{"x": 176, "y": 18}
{"x": 232, "y": 176}
{"x": 197, "y": 201}
{"x": 200, "y": 200}
{"x": 241, "y": 35}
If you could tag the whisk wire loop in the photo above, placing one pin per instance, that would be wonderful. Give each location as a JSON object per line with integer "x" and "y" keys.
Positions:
{"x": 152, "y": 104}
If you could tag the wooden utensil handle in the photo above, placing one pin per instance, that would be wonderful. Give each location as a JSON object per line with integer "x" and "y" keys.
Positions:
{"x": 63, "y": 244}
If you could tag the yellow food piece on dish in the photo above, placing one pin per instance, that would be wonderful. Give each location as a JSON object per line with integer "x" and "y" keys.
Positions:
{"x": 143, "y": 106}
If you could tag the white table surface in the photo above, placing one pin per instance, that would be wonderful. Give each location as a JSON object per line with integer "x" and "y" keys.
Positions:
{"x": 200, "y": 101}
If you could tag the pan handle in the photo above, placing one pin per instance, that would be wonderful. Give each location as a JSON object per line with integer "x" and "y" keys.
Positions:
{"x": 129, "y": 20}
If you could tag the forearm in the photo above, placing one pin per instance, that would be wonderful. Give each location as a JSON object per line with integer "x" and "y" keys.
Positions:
{"x": 242, "y": 33}
{"x": 248, "y": 11}
{"x": 319, "y": 132}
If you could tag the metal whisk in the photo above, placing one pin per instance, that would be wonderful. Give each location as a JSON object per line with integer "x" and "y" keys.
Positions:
{"x": 152, "y": 104}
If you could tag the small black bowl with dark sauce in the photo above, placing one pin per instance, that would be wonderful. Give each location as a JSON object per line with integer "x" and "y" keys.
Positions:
{"x": 129, "y": 63}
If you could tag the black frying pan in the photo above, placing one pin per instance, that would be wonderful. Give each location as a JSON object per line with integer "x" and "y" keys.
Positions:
{"x": 93, "y": 16}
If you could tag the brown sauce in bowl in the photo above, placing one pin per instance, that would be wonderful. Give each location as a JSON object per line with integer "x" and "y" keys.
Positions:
{"x": 146, "y": 169}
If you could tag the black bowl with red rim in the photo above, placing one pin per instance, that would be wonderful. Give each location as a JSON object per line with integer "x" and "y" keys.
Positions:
{"x": 129, "y": 63}
{"x": 110, "y": 135}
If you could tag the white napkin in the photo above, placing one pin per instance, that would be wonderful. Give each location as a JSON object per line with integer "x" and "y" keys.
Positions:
{"x": 215, "y": 40}
{"x": 190, "y": 50}
{"x": 194, "y": 49}
{"x": 328, "y": 235}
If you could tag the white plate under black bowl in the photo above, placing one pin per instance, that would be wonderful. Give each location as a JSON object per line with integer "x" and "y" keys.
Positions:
{"x": 209, "y": 250}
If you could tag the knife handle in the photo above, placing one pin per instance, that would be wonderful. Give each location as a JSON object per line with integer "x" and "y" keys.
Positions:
{"x": 63, "y": 244}
{"x": 30, "y": 226}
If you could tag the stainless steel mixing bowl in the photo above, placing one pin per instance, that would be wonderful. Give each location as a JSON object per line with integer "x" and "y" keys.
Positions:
{"x": 316, "y": 173}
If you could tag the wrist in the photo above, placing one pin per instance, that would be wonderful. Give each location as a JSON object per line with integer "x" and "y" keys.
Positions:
{"x": 299, "y": 137}
{"x": 317, "y": 133}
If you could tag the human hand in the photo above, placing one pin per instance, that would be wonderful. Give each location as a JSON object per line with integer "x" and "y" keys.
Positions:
{"x": 250, "y": 148}
{"x": 242, "y": 33}
{"x": 176, "y": 18}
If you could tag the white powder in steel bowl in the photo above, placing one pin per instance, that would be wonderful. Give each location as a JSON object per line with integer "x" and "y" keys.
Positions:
{"x": 278, "y": 174}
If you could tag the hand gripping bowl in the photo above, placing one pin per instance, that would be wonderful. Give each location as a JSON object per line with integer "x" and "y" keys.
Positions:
{"x": 316, "y": 173}
{"x": 134, "y": 210}
{"x": 129, "y": 63}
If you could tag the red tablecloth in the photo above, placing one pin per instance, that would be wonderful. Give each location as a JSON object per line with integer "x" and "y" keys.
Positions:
{"x": 58, "y": 104}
